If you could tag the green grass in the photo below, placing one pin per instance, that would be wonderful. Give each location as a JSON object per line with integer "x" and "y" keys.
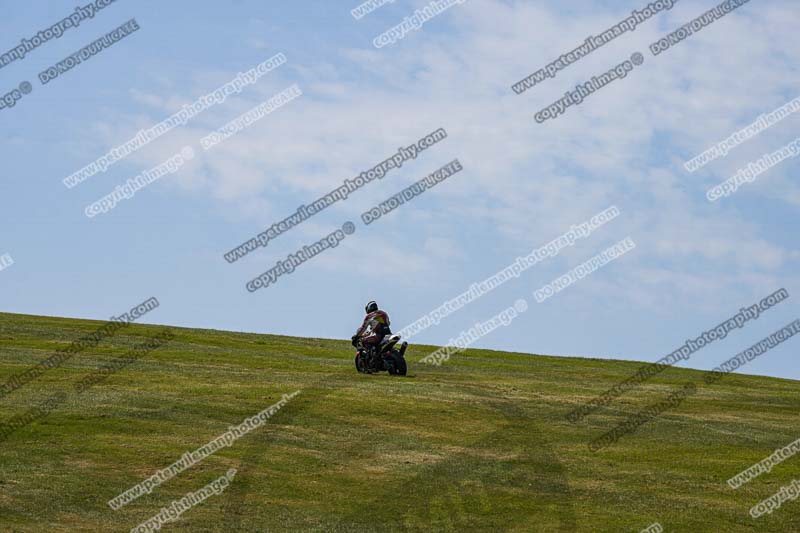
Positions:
{"x": 478, "y": 444}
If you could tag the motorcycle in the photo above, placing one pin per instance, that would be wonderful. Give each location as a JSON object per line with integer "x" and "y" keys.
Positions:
{"x": 385, "y": 357}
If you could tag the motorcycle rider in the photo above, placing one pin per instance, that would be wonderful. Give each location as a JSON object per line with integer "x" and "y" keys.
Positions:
{"x": 375, "y": 325}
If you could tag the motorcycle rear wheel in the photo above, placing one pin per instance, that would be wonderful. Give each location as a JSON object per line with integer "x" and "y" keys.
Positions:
{"x": 398, "y": 366}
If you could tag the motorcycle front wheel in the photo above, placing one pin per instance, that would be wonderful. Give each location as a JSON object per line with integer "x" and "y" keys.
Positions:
{"x": 360, "y": 364}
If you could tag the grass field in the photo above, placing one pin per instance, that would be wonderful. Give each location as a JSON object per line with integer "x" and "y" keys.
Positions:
{"x": 478, "y": 444}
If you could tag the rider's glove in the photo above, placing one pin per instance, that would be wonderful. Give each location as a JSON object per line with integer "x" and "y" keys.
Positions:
{"x": 354, "y": 340}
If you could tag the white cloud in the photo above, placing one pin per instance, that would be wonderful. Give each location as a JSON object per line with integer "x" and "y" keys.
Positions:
{"x": 624, "y": 145}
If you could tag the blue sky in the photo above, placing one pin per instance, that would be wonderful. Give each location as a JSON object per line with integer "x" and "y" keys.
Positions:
{"x": 523, "y": 183}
